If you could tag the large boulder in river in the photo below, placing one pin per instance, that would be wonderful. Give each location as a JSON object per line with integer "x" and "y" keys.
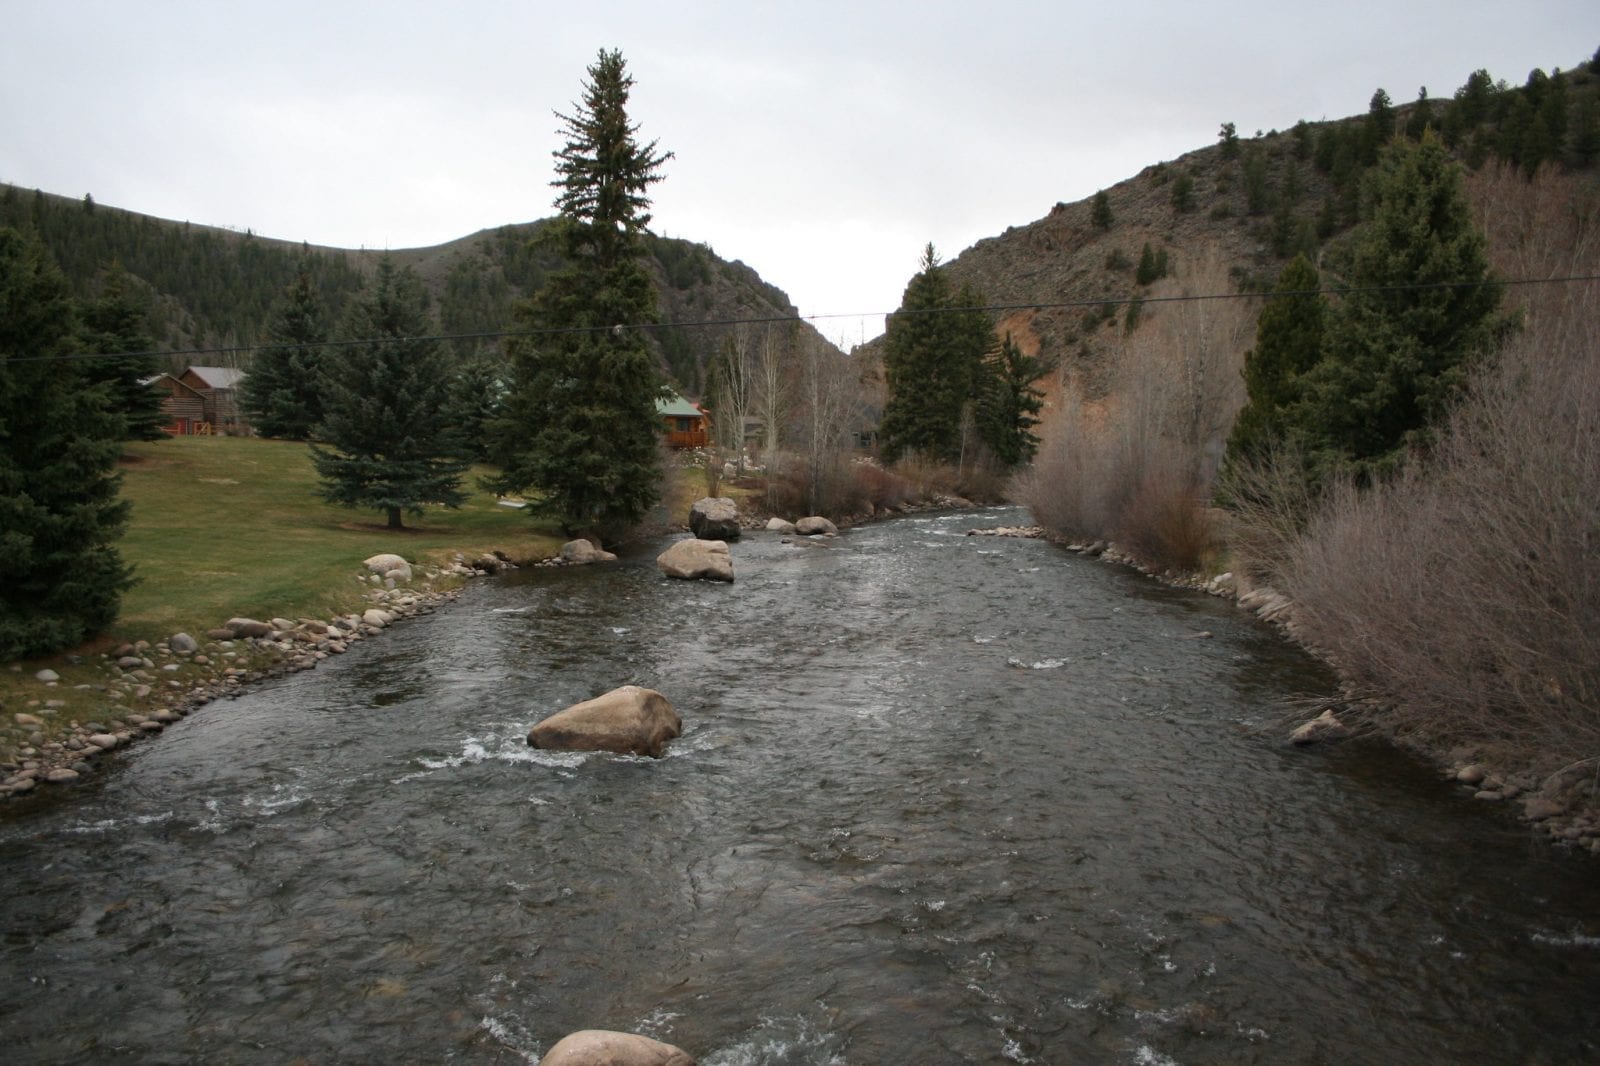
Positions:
{"x": 814, "y": 525}
{"x": 601, "y": 1047}
{"x": 780, "y": 525}
{"x": 629, "y": 721}
{"x": 690, "y": 559}
{"x": 714, "y": 518}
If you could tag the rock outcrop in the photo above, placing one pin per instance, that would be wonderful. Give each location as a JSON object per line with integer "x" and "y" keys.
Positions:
{"x": 602, "y": 1047}
{"x": 690, "y": 559}
{"x": 628, "y": 721}
{"x": 714, "y": 518}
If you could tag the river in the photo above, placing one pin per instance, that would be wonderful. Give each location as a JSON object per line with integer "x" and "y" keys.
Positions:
{"x": 938, "y": 799}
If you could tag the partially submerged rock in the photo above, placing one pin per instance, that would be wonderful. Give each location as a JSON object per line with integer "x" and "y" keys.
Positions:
{"x": 815, "y": 525}
{"x": 628, "y": 721}
{"x": 582, "y": 552}
{"x": 714, "y": 518}
{"x": 780, "y": 525}
{"x": 602, "y": 1047}
{"x": 1325, "y": 726}
{"x": 689, "y": 559}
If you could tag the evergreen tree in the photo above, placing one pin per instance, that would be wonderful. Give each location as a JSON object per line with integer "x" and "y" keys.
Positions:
{"x": 61, "y": 577}
{"x": 117, "y": 321}
{"x": 282, "y": 393}
{"x": 388, "y": 445}
{"x": 1398, "y": 348}
{"x": 1009, "y": 404}
{"x": 1100, "y": 211}
{"x": 1583, "y": 139}
{"x": 1421, "y": 115}
{"x": 1145, "y": 273}
{"x": 1183, "y": 192}
{"x": 1378, "y": 128}
{"x": 474, "y": 403}
{"x": 580, "y": 424}
{"x": 1289, "y": 336}
{"x": 932, "y": 350}
{"x": 1228, "y": 140}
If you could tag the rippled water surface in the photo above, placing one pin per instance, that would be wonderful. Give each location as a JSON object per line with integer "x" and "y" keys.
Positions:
{"x": 939, "y": 799}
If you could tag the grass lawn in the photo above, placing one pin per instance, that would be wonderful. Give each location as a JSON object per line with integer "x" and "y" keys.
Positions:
{"x": 225, "y": 526}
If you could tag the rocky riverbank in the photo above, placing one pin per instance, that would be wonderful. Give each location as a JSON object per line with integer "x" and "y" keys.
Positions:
{"x": 1566, "y": 804}
{"x": 137, "y": 691}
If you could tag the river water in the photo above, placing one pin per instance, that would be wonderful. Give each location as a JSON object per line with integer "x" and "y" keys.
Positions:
{"x": 939, "y": 799}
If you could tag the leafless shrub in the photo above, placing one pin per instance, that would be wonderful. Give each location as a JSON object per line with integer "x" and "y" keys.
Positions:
{"x": 1269, "y": 503}
{"x": 1467, "y": 592}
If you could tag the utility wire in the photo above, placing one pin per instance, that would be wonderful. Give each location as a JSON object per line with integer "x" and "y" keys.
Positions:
{"x": 1107, "y": 301}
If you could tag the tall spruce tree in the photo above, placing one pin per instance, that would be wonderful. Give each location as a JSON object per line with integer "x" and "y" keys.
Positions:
{"x": 1289, "y": 336}
{"x": 1009, "y": 403}
{"x": 388, "y": 444}
{"x": 115, "y": 331}
{"x": 1421, "y": 310}
{"x": 61, "y": 576}
{"x": 580, "y": 426}
{"x": 282, "y": 393}
{"x": 933, "y": 348}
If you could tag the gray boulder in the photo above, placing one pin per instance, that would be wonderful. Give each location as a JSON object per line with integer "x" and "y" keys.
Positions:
{"x": 629, "y": 721}
{"x": 601, "y": 1047}
{"x": 581, "y": 553}
{"x": 183, "y": 644}
{"x": 247, "y": 627}
{"x": 714, "y": 518}
{"x": 814, "y": 525}
{"x": 690, "y": 559}
{"x": 779, "y": 525}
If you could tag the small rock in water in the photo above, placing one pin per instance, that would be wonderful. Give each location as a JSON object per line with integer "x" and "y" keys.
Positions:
{"x": 1325, "y": 726}
{"x": 61, "y": 776}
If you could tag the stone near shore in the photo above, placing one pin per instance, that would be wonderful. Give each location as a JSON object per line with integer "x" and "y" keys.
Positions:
{"x": 1325, "y": 726}
{"x": 690, "y": 559}
{"x": 602, "y": 1047}
{"x": 780, "y": 525}
{"x": 389, "y": 565}
{"x": 247, "y": 627}
{"x": 628, "y": 721}
{"x": 582, "y": 553}
{"x": 714, "y": 518}
{"x": 815, "y": 526}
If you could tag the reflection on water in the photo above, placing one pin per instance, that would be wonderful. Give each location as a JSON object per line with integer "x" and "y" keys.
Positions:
{"x": 939, "y": 799}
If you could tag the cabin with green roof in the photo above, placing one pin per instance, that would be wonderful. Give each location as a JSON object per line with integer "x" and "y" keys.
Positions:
{"x": 687, "y": 425}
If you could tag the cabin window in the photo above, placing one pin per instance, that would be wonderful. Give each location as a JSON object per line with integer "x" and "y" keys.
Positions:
{"x": 685, "y": 425}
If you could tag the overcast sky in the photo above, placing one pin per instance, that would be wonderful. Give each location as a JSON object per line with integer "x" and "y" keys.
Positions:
{"x": 822, "y": 143}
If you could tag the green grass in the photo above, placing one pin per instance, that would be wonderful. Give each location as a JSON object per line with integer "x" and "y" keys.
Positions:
{"x": 225, "y": 526}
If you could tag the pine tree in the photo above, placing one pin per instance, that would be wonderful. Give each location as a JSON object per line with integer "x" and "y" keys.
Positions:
{"x": 1100, "y": 211}
{"x": 61, "y": 576}
{"x": 389, "y": 447}
{"x": 1400, "y": 343}
{"x": 282, "y": 393}
{"x": 1421, "y": 117}
{"x": 1228, "y": 140}
{"x": 1009, "y": 403}
{"x": 580, "y": 424}
{"x": 117, "y": 321}
{"x": 1289, "y": 335}
{"x": 932, "y": 350}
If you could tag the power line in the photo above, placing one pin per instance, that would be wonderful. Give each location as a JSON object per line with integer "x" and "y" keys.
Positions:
{"x": 1057, "y": 305}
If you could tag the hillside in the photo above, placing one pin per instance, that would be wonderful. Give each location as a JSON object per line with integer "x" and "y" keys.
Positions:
{"x": 210, "y": 288}
{"x": 1226, "y": 218}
